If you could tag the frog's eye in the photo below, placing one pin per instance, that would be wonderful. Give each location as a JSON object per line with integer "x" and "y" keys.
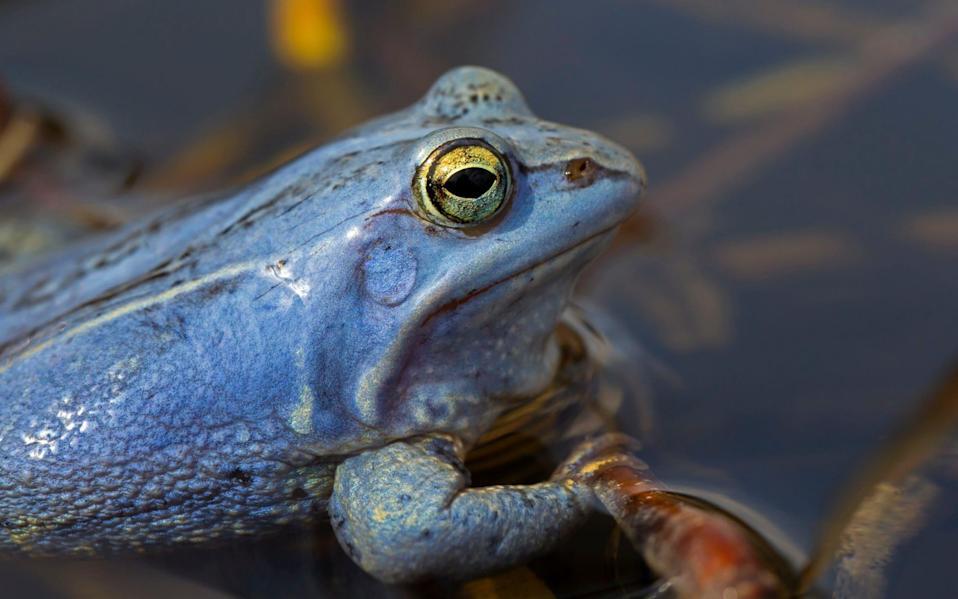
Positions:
{"x": 462, "y": 182}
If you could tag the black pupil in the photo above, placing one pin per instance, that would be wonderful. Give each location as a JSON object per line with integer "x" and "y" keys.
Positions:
{"x": 470, "y": 182}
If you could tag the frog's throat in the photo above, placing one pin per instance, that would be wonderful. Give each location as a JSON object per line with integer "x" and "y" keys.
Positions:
{"x": 376, "y": 382}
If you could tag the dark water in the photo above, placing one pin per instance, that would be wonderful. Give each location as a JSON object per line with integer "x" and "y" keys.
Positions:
{"x": 794, "y": 273}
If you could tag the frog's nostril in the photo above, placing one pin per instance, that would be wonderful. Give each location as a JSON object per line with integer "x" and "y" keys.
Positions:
{"x": 581, "y": 171}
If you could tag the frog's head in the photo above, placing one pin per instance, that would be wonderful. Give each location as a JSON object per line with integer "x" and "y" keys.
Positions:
{"x": 469, "y": 262}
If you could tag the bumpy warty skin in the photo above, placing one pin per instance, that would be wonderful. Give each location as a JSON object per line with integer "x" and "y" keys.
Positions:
{"x": 199, "y": 374}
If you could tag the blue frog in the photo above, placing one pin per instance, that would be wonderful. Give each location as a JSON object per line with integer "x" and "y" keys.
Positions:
{"x": 330, "y": 339}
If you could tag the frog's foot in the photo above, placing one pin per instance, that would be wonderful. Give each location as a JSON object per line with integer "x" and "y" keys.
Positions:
{"x": 403, "y": 513}
{"x": 701, "y": 553}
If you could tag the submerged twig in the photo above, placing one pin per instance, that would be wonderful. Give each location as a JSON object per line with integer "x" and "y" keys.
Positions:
{"x": 916, "y": 443}
{"x": 702, "y": 553}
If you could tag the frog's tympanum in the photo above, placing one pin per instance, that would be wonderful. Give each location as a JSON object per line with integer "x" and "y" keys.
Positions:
{"x": 329, "y": 340}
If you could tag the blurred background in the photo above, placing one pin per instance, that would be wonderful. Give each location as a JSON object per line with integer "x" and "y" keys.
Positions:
{"x": 792, "y": 277}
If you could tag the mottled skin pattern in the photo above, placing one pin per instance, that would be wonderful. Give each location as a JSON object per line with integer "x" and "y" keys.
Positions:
{"x": 211, "y": 371}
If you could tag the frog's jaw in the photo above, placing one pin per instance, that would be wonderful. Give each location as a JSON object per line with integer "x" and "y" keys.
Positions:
{"x": 466, "y": 355}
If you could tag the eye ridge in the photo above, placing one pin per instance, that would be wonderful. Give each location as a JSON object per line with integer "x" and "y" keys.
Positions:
{"x": 471, "y": 182}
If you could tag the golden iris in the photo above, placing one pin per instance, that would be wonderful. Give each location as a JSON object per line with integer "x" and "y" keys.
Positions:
{"x": 463, "y": 182}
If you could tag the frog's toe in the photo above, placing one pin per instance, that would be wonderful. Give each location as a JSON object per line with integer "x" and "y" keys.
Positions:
{"x": 594, "y": 457}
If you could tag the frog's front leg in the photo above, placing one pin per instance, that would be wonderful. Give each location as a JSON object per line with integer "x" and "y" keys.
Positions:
{"x": 404, "y": 512}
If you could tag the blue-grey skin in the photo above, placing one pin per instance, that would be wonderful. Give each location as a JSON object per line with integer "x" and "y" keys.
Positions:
{"x": 229, "y": 367}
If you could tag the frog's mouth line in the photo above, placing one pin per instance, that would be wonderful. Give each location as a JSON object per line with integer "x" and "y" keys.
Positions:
{"x": 452, "y": 304}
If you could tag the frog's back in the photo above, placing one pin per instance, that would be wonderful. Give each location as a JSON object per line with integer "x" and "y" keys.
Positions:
{"x": 69, "y": 284}
{"x": 184, "y": 243}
